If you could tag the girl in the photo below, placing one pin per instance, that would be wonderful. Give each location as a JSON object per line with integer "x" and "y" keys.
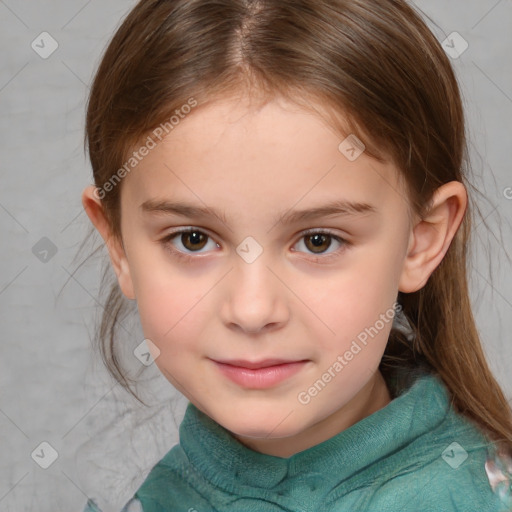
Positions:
{"x": 281, "y": 188}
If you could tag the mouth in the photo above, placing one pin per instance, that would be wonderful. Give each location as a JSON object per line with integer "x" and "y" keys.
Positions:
{"x": 259, "y": 374}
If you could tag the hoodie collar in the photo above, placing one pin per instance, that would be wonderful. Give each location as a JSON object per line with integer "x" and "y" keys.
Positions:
{"x": 229, "y": 464}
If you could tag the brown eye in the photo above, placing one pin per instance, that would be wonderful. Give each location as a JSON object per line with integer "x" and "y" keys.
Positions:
{"x": 318, "y": 242}
{"x": 193, "y": 240}
{"x": 187, "y": 243}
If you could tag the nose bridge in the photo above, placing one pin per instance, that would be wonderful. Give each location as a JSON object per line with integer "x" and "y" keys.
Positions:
{"x": 255, "y": 297}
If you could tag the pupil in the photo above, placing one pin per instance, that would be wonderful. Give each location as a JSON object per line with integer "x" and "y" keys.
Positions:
{"x": 319, "y": 240}
{"x": 193, "y": 239}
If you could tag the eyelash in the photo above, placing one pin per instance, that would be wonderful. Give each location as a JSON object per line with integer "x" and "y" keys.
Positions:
{"x": 166, "y": 242}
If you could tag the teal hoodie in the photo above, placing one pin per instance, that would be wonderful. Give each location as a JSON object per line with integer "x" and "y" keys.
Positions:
{"x": 415, "y": 454}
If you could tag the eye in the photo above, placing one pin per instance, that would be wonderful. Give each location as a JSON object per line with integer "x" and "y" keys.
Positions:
{"x": 319, "y": 241}
{"x": 192, "y": 240}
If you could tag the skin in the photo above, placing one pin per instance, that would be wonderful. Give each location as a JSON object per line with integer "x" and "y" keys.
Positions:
{"x": 254, "y": 164}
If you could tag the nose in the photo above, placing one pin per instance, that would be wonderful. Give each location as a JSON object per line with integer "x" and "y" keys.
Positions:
{"x": 255, "y": 298}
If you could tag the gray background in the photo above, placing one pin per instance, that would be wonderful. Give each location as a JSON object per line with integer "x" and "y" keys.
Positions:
{"x": 53, "y": 388}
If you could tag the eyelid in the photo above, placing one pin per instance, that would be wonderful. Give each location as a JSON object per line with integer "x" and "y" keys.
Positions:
{"x": 188, "y": 229}
{"x": 324, "y": 257}
{"x": 184, "y": 256}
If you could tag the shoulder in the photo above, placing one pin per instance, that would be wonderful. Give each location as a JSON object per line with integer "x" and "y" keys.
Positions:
{"x": 172, "y": 480}
{"x": 446, "y": 470}
{"x": 463, "y": 469}
{"x": 457, "y": 480}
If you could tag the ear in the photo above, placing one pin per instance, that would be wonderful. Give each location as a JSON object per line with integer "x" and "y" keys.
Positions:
{"x": 94, "y": 209}
{"x": 431, "y": 237}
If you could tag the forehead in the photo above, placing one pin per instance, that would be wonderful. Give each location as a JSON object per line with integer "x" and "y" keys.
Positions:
{"x": 273, "y": 155}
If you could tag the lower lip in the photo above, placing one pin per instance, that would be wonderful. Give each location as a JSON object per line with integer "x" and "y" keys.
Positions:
{"x": 260, "y": 378}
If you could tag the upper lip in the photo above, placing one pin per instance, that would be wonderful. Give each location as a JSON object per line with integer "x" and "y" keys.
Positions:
{"x": 254, "y": 365}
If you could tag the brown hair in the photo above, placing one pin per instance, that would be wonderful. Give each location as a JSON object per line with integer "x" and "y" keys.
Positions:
{"x": 375, "y": 62}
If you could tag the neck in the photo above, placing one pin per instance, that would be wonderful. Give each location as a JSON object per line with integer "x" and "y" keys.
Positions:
{"x": 372, "y": 397}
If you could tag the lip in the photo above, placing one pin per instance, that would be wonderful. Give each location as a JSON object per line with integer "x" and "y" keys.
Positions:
{"x": 259, "y": 374}
{"x": 255, "y": 365}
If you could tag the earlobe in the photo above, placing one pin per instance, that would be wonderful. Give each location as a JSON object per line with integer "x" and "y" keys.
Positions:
{"x": 94, "y": 209}
{"x": 431, "y": 236}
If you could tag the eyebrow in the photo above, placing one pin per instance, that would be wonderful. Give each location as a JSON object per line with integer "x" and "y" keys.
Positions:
{"x": 340, "y": 208}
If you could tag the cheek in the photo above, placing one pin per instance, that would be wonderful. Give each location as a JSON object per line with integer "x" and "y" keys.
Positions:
{"x": 169, "y": 304}
{"x": 174, "y": 321}
{"x": 347, "y": 304}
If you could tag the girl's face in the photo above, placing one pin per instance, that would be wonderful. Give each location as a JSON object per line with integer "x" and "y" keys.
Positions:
{"x": 249, "y": 286}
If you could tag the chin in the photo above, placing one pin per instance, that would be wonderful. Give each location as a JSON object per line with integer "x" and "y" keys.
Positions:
{"x": 260, "y": 424}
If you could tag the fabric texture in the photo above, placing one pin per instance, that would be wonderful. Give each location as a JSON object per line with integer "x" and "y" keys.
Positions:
{"x": 416, "y": 454}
